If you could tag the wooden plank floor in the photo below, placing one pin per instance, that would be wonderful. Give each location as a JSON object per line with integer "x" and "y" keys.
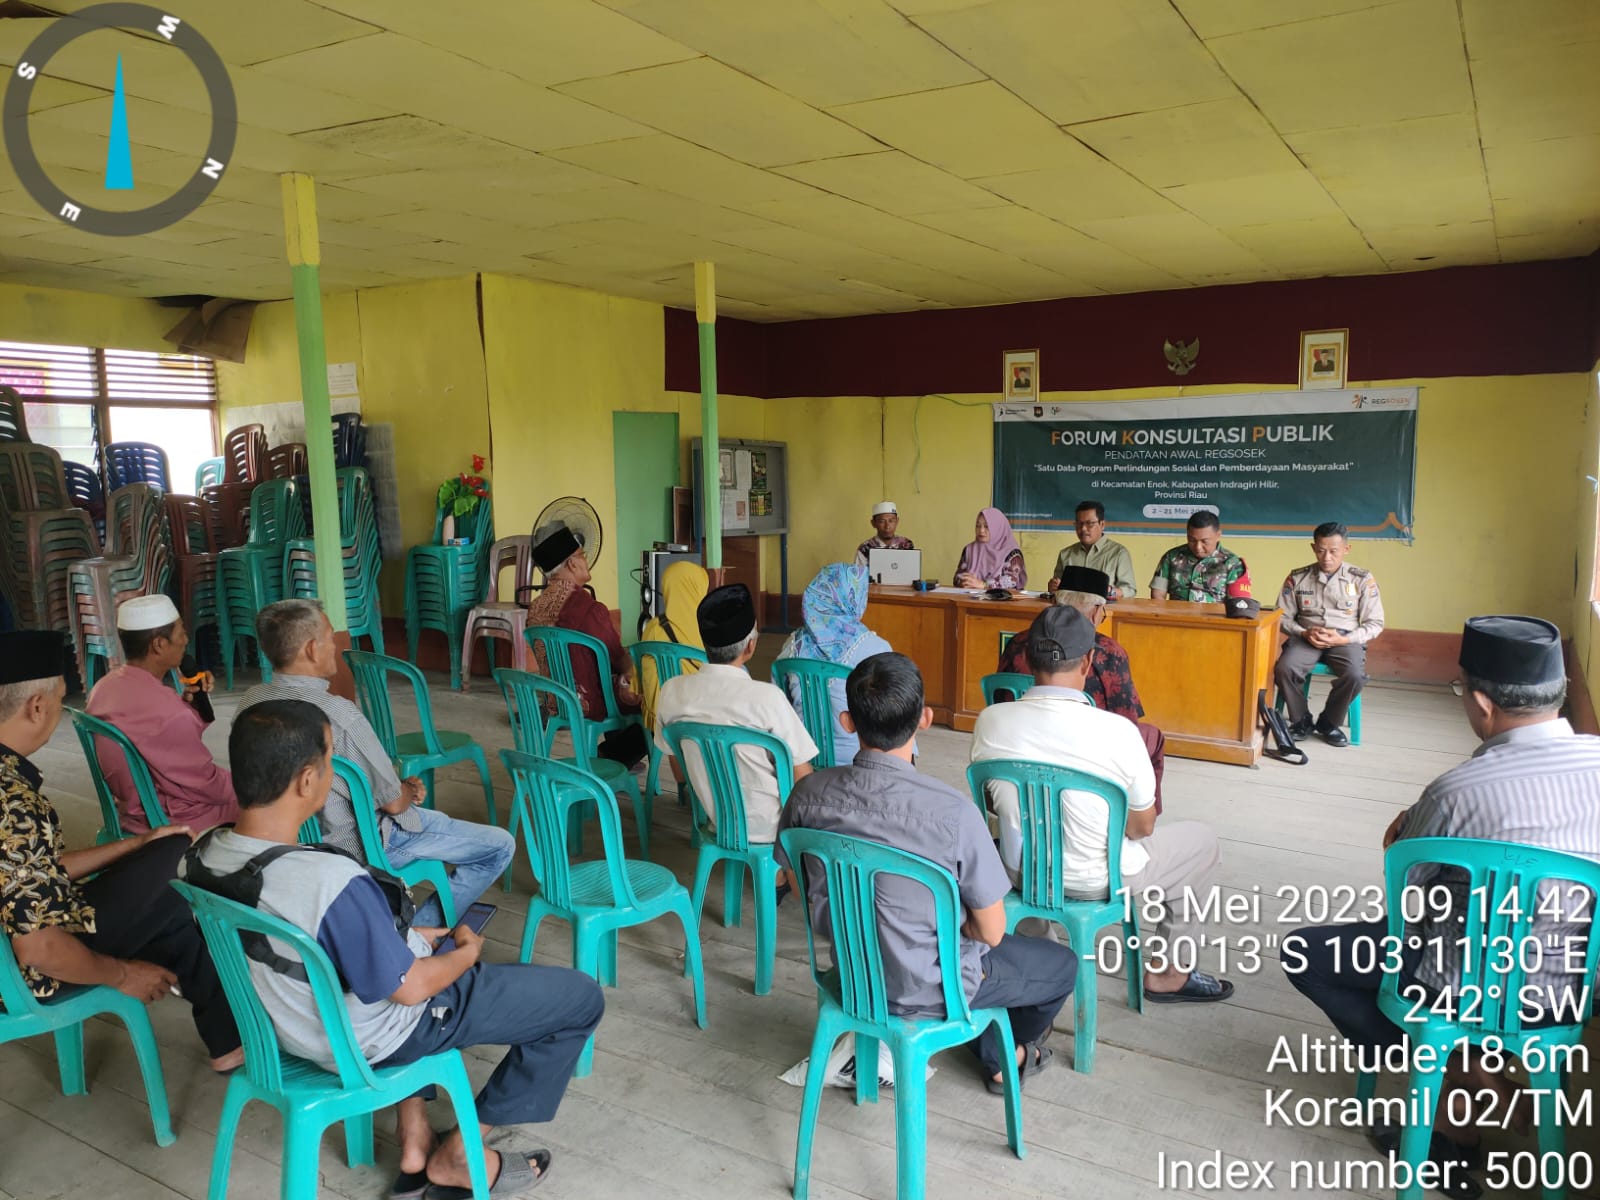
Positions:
{"x": 672, "y": 1111}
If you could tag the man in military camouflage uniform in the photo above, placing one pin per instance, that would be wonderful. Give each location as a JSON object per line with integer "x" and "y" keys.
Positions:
{"x": 1331, "y": 610}
{"x": 1203, "y": 570}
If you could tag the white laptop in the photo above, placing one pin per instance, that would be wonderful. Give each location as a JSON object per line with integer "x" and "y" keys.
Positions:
{"x": 900, "y": 567}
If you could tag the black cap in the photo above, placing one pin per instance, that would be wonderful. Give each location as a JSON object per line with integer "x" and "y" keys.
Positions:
{"x": 726, "y": 616}
{"x": 1242, "y": 607}
{"x": 1085, "y": 579}
{"x": 1512, "y": 650}
{"x": 553, "y": 545}
{"x": 1059, "y": 634}
{"x": 32, "y": 654}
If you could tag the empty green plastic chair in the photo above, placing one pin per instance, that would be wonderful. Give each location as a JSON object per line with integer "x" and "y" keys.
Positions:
{"x": 813, "y": 678}
{"x": 309, "y": 1098}
{"x": 729, "y": 843}
{"x": 853, "y": 998}
{"x": 427, "y": 749}
{"x": 423, "y": 870}
{"x": 1014, "y": 682}
{"x": 558, "y": 645}
{"x": 1502, "y": 888}
{"x": 1039, "y": 789}
{"x": 88, "y": 728}
{"x": 595, "y": 898}
{"x": 533, "y": 731}
{"x": 1353, "y": 718}
{"x": 63, "y": 1015}
{"x": 666, "y": 659}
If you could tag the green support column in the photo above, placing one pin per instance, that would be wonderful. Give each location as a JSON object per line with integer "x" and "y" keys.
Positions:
{"x": 300, "y": 230}
{"x": 705, "y": 315}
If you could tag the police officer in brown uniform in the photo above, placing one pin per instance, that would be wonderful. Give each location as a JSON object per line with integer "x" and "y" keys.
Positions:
{"x": 1331, "y": 610}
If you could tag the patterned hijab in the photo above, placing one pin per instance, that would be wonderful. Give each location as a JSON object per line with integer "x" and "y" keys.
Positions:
{"x": 832, "y": 608}
{"x": 984, "y": 559}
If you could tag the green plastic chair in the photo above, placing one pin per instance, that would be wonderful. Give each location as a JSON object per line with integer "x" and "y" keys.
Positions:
{"x": 812, "y": 677}
{"x": 429, "y": 748}
{"x": 88, "y": 728}
{"x": 310, "y": 831}
{"x": 558, "y": 645}
{"x": 853, "y": 998}
{"x": 1014, "y": 682}
{"x": 308, "y": 1097}
{"x": 1501, "y": 889}
{"x": 210, "y": 471}
{"x": 668, "y": 659}
{"x": 729, "y": 843}
{"x": 444, "y": 582}
{"x": 534, "y": 733}
{"x": 422, "y": 870}
{"x": 1039, "y": 803}
{"x": 595, "y": 898}
{"x": 1353, "y": 718}
{"x": 63, "y": 1015}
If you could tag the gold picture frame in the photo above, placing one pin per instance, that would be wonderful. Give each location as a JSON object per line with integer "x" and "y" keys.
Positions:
{"x": 1020, "y": 375}
{"x": 1323, "y": 355}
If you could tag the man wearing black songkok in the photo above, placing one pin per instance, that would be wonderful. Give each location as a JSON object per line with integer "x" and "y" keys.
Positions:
{"x": 125, "y": 928}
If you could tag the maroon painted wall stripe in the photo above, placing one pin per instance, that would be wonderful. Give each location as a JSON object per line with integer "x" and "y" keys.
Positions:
{"x": 1510, "y": 319}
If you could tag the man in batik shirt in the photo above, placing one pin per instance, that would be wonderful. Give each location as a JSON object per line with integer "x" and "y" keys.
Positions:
{"x": 1110, "y": 680}
{"x": 885, "y": 520}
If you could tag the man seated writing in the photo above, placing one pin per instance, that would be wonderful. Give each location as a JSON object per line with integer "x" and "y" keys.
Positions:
{"x": 105, "y": 915}
{"x": 722, "y": 693}
{"x": 404, "y": 1002}
{"x": 138, "y": 700}
{"x": 297, "y": 638}
{"x": 1053, "y": 722}
{"x": 1110, "y": 680}
{"x": 882, "y": 797}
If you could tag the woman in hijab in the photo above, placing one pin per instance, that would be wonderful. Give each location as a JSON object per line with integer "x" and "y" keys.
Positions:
{"x": 683, "y": 586}
{"x": 832, "y": 607}
{"x": 992, "y": 559}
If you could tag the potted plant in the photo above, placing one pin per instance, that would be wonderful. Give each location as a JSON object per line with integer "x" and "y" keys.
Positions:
{"x": 459, "y": 497}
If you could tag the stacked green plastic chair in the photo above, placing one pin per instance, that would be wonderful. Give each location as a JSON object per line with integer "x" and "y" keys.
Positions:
{"x": 210, "y": 471}
{"x": 192, "y": 527}
{"x": 42, "y": 534}
{"x": 443, "y": 583}
{"x": 361, "y": 553}
{"x": 250, "y": 577}
{"x": 138, "y": 562}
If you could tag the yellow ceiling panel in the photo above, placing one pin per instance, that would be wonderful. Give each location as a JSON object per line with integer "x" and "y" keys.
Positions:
{"x": 800, "y": 245}
{"x": 1495, "y": 27}
{"x": 542, "y": 41}
{"x": 1197, "y": 143}
{"x": 894, "y": 182}
{"x": 825, "y": 52}
{"x": 1320, "y": 246}
{"x": 436, "y": 193}
{"x": 1523, "y": 218}
{"x": 1425, "y": 148}
{"x": 247, "y": 33}
{"x": 712, "y": 105}
{"x": 463, "y": 228}
{"x": 677, "y": 166}
{"x": 1583, "y": 240}
{"x": 44, "y": 248}
{"x": 1422, "y": 244}
{"x": 1285, "y": 197}
{"x": 1562, "y": 173}
{"x": 1046, "y": 243}
{"x": 338, "y": 203}
{"x": 1218, "y": 18}
{"x": 1542, "y": 92}
{"x": 653, "y": 206}
{"x": 1377, "y": 200}
{"x": 976, "y": 129}
{"x": 416, "y": 143}
{"x": 1092, "y": 188}
{"x": 406, "y": 76}
{"x": 1384, "y": 63}
{"x": 1180, "y": 244}
{"x": 1079, "y": 60}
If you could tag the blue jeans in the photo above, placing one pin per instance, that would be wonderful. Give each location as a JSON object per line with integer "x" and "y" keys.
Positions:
{"x": 478, "y": 852}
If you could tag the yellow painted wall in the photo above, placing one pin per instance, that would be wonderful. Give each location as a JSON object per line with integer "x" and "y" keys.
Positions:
{"x": 1585, "y": 622}
{"x": 1494, "y": 499}
{"x": 270, "y": 373}
{"x": 60, "y": 317}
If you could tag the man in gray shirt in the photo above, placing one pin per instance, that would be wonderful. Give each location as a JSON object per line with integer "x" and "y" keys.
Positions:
{"x": 882, "y": 797}
{"x": 297, "y": 639}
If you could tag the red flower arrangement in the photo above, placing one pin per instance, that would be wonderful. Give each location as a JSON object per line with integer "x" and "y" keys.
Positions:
{"x": 458, "y": 497}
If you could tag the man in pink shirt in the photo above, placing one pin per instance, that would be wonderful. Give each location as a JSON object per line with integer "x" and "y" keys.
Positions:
{"x": 138, "y": 700}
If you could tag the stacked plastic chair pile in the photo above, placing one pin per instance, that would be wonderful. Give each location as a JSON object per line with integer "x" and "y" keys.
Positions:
{"x": 362, "y": 555}
{"x": 138, "y": 562}
{"x": 444, "y": 582}
{"x": 41, "y": 535}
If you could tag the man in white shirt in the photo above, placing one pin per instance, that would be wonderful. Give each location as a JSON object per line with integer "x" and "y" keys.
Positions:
{"x": 722, "y": 693}
{"x": 1055, "y": 722}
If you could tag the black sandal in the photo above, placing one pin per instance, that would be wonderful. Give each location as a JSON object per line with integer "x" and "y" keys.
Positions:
{"x": 1036, "y": 1059}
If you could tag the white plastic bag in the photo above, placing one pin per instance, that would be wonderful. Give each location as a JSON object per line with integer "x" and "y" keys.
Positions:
{"x": 842, "y": 1066}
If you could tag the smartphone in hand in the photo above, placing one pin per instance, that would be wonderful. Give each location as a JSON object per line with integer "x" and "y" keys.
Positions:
{"x": 475, "y": 918}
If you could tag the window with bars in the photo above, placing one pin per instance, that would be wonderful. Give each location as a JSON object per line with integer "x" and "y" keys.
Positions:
{"x": 78, "y": 397}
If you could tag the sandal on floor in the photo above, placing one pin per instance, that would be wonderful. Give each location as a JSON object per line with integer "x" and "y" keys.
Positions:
{"x": 1036, "y": 1058}
{"x": 516, "y": 1176}
{"x": 409, "y": 1185}
{"x": 1200, "y": 988}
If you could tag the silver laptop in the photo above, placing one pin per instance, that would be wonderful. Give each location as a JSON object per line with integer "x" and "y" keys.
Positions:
{"x": 900, "y": 567}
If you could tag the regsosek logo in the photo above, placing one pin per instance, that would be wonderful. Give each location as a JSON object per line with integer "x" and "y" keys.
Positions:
{"x": 80, "y": 211}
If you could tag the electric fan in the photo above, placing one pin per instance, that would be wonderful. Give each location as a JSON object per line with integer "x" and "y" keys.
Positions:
{"x": 579, "y": 516}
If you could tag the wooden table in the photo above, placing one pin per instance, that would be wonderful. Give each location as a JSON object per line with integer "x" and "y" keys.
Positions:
{"x": 1198, "y": 671}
